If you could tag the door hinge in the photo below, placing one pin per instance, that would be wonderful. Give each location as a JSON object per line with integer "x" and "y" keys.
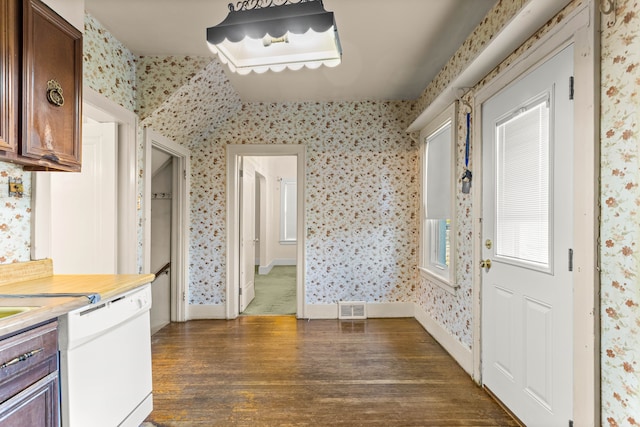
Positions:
{"x": 241, "y": 173}
{"x": 184, "y": 296}
{"x": 184, "y": 174}
{"x": 571, "y": 88}
{"x": 240, "y": 292}
{"x": 570, "y": 259}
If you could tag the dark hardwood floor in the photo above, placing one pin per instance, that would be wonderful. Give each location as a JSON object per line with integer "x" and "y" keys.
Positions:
{"x": 280, "y": 371}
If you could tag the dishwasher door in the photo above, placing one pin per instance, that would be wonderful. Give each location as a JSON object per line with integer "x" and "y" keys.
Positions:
{"x": 105, "y": 362}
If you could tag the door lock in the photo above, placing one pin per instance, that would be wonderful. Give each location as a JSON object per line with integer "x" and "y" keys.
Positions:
{"x": 486, "y": 264}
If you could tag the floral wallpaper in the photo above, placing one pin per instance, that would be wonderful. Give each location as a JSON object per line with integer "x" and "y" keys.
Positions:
{"x": 154, "y": 87}
{"x": 108, "y": 66}
{"x": 15, "y": 216}
{"x": 620, "y": 228}
{"x": 454, "y": 312}
{"x": 360, "y": 144}
{"x": 362, "y": 197}
{"x": 191, "y": 108}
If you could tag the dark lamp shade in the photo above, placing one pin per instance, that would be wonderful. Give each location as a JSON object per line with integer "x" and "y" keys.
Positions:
{"x": 278, "y": 37}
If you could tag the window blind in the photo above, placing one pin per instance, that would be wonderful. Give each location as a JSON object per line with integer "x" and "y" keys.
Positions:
{"x": 522, "y": 196}
{"x": 438, "y": 176}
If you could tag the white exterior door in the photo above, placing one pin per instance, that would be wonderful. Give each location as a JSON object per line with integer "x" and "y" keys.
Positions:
{"x": 247, "y": 233}
{"x": 84, "y": 207}
{"x": 527, "y": 312}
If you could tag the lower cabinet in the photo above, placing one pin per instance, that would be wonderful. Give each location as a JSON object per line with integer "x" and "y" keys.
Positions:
{"x": 29, "y": 392}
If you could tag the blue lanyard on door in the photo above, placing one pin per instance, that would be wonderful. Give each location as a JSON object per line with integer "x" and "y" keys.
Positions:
{"x": 466, "y": 177}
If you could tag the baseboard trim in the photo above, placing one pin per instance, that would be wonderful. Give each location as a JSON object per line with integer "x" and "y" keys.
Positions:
{"x": 206, "y": 311}
{"x": 390, "y": 309}
{"x": 321, "y": 311}
{"x": 374, "y": 310}
{"x": 457, "y": 350}
{"x": 265, "y": 269}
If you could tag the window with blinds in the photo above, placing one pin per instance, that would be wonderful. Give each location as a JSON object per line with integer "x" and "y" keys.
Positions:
{"x": 522, "y": 185}
{"x": 438, "y": 168}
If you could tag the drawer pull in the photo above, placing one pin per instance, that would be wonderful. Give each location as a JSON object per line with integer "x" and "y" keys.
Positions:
{"x": 21, "y": 358}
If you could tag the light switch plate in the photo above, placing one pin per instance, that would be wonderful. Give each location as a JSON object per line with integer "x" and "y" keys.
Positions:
{"x": 16, "y": 188}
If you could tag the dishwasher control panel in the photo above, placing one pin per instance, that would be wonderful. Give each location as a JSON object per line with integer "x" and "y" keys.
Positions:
{"x": 88, "y": 322}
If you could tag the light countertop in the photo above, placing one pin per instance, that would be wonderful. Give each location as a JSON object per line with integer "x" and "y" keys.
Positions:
{"x": 25, "y": 284}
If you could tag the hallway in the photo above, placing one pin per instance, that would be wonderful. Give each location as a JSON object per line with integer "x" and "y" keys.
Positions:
{"x": 277, "y": 370}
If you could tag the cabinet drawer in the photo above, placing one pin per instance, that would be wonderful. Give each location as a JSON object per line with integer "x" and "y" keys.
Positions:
{"x": 27, "y": 357}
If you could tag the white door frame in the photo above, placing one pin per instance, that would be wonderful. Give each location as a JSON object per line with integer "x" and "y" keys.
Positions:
{"x": 180, "y": 215}
{"x": 234, "y": 152}
{"x": 581, "y": 28}
{"x": 101, "y": 109}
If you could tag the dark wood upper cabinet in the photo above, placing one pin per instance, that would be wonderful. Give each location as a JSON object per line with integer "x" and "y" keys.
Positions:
{"x": 51, "y": 88}
{"x": 44, "y": 81}
{"x": 9, "y": 69}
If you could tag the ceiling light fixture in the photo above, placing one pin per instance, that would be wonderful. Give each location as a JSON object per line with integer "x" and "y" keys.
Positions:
{"x": 273, "y": 35}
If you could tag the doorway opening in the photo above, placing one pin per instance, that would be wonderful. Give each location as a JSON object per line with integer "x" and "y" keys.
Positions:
{"x": 264, "y": 232}
{"x": 166, "y": 213}
{"x": 268, "y": 205}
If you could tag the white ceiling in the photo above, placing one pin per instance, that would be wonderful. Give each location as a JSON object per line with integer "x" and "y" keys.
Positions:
{"x": 391, "y": 48}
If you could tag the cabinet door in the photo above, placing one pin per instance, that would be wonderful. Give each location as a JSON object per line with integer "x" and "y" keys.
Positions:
{"x": 35, "y": 406}
{"x": 29, "y": 393}
{"x": 9, "y": 18}
{"x": 52, "y": 89}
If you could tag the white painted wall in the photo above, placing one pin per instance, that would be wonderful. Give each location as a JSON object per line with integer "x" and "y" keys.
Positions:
{"x": 279, "y": 167}
{"x": 274, "y": 168}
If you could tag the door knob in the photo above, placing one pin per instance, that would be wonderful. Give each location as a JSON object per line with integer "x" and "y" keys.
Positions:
{"x": 486, "y": 264}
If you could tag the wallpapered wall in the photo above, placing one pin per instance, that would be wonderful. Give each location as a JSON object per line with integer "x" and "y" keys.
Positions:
{"x": 381, "y": 200}
{"x": 15, "y": 216}
{"x": 454, "y": 312}
{"x": 620, "y": 227}
{"x": 361, "y": 196}
{"x": 620, "y": 223}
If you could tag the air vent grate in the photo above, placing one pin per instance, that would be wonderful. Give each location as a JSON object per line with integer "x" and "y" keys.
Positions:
{"x": 352, "y": 310}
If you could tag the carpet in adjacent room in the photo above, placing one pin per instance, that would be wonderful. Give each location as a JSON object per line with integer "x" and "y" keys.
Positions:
{"x": 275, "y": 293}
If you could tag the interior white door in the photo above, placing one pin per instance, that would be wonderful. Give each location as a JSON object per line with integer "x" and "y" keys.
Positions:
{"x": 161, "y": 245}
{"x": 84, "y": 207}
{"x": 527, "y": 310}
{"x": 247, "y": 233}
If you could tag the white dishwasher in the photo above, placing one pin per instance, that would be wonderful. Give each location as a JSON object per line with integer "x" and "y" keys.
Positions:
{"x": 105, "y": 362}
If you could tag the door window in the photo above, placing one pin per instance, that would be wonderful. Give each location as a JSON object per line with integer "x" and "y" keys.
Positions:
{"x": 522, "y": 181}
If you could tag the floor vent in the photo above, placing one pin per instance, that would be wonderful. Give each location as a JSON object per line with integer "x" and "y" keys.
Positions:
{"x": 352, "y": 310}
